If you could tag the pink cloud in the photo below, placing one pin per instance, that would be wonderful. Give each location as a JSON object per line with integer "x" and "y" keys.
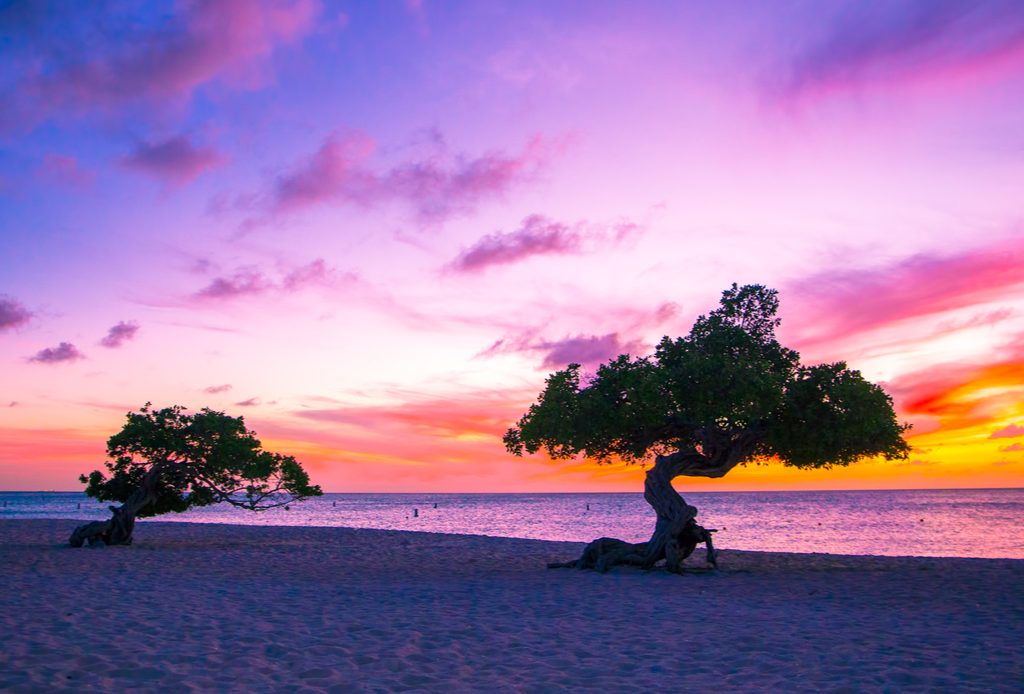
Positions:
{"x": 334, "y": 172}
{"x": 435, "y": 188}
{"x": 834, "y": 304}
{"x": 213, "y": 390}
{"x": 120, "y": 333}
{"x": 199, "y": 42}
{"x": 176, "y": 161}
{"x": 911, "y": 42}
{"x": 443, "y": 418}
{"x": 251, "y": 402}
{"x": 12, "y": 314}
{"x": 1009, "y": 432}
{"x": 65, "y": 171}
{"x": 64, "y": 352}
{"x": 1012, "y": 447}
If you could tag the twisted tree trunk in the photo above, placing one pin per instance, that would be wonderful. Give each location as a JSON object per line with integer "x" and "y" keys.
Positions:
{"x": 676, "y": 532}
{"x": 118, "y": 529}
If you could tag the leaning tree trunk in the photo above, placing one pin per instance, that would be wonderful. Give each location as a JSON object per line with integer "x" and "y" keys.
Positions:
{"x": 676, "y": 532}
{"x": 118, "y": 529}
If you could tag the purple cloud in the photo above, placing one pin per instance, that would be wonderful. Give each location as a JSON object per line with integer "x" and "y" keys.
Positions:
{"x": 63, "y": 352}
{"x": 894, "y": 42}
{"x": 212, "y": 390}
{"x": 175, "y": 161}
{"x": 12, "y": 314}
{"x": 244, "y": 282}
{"x": 435, "y": 188}
{"x": 588, "y": 350}
{"x": 120, "y": 333}
{"x": 85, "y": 57}
{"x": 315, "y": 272}
{"x": 251, "y": 402}
{"x": 250, "y": 281}
{"x": 1010, "y": 432}
{"x": 538, "y": 235}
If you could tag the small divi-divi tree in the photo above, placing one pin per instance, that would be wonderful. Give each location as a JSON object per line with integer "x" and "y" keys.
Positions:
{"x": 726, "y": 394}
{"x": 169, "y": 460}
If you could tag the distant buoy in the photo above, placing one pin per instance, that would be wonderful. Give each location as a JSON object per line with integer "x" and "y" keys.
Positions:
{"x": 287, "y": 508}
{"x": 435, "y": 505}
{"x": 415, "y": 513}
{"x": 588, "y": 507}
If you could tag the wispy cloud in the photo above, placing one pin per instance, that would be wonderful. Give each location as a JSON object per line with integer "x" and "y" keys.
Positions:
{"x": 213, "y": 390}
{"x": 251, "y": 281}
{"x": 958, "y": 396}
{"x": 898, "y": 42}
{"x": 538, "y": 235}
{"x": 833, "y": 304}
{"x": 250, "y": 402}
{"x": 120, "y": 333}
{"x": 480, "y": 413}
{"x": 64, "y": 352}
{"x": 1009, "y": 432}
{"x": 72, "y": 68}
{"x": 12, "y": 313}
{"x": 1012, "y": 448}
{"x": 175, "y": 161}
{"x": 435, "y": 187}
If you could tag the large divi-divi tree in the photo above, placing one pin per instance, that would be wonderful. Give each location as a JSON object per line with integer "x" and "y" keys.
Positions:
{"x": 726, "y": 394}
{"x": 169, "y": 460}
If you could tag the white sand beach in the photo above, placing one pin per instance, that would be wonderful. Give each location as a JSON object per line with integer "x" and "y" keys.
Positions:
{"x": 194, "y": 607}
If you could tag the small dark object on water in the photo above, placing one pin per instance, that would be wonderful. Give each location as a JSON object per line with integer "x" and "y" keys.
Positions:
{"x": 79, "y": 505}
{"x": 588, "y": 507}
{"x": 287, "y": 508}
{"x": 435, "y": 505}
{"x": 415, "y": 513}
{"x": 334, "y": 503}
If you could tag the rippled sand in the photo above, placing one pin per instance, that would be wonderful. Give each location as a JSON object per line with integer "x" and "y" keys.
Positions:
{"x": 236, "y": 608}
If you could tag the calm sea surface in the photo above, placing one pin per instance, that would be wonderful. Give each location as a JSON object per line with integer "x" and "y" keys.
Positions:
{"x": 959, "y": 523}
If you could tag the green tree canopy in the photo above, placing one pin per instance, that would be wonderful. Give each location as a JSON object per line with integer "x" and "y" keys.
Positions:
{"x": 728, "y": 392}
{"x": 169, "y": 460}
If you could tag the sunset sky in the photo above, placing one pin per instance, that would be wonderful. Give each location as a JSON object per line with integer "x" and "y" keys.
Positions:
{"x": 374, "y": 228}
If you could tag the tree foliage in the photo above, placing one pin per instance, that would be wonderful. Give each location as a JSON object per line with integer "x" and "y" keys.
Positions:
{"x": 728, "y": 380}
{"x": 187, "y": 460}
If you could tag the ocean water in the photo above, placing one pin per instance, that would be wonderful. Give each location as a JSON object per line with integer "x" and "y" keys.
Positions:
{"x": 956, "y": 523}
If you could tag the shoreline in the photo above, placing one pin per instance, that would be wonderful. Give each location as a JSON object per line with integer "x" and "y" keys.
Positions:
{"x": 150, "y": 522}
{"x": 235, "y": 607}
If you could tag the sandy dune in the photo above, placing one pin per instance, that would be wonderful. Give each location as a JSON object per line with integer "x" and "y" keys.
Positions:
{"x": 234, "y": 608}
